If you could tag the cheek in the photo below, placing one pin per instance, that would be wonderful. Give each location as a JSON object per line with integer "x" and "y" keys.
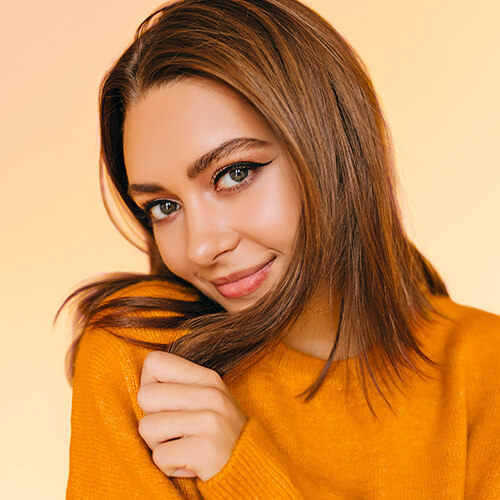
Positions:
{"x": 172, "y": 250}
{"x": 270, "y": 215}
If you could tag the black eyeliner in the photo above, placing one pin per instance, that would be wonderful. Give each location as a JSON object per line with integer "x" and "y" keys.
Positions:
{"x": 242, "y": 164}
{"x": 145, "y": 209}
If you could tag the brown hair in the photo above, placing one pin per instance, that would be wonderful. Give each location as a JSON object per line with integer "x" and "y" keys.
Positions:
{"x": 313, "y": 90}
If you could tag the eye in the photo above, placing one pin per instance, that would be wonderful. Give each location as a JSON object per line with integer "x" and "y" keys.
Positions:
{"x": 236, "y": 175}
{"x": 232, "y": 177}
{"x": 160, "y": 209}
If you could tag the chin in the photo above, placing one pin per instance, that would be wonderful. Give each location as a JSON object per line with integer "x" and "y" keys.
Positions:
{"x": 242, "y": 305}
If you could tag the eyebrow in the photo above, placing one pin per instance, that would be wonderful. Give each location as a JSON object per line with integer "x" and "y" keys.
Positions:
{"x": 203, "y": 163}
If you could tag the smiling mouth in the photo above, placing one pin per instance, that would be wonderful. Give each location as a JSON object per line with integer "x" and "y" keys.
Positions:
{"x": 244, "y": 285}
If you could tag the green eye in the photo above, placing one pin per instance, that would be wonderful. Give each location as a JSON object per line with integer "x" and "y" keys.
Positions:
{"x": 231, "y": 178}
{"x": 161, "y": 209}
{"x": 233, "y": 175}
{"x": 237, "y": 175}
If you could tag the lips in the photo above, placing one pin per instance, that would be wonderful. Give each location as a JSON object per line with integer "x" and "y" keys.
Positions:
{"x": 230, "y": 278}
{"x": 247, "y": 283}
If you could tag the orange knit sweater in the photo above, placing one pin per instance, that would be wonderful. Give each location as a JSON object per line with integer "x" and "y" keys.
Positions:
{"x": 442, "y": 442}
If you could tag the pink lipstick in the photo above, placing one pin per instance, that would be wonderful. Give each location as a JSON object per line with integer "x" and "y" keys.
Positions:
{"x": 244, "y": 285}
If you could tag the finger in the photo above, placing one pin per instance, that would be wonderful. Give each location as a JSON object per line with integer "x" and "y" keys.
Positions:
{"x": 184, "y": 473}
{"x": 160, "y": 366}
{"x": 163, "y": 396}
{"x": 178, "y": 454}
{"x": 157, "y": 428}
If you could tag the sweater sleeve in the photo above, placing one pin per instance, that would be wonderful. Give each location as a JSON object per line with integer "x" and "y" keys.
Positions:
{"x": 108, "y": 458}
{"x": 256, "y": 469}
{"x": 483, "y": 408}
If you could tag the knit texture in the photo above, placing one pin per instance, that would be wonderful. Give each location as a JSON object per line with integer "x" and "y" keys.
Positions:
{"x": 441, "y": 441}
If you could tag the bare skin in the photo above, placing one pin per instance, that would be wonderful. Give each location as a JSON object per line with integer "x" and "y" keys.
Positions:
{"x": 222, "y": 222}
{"x": 184, "y": 400}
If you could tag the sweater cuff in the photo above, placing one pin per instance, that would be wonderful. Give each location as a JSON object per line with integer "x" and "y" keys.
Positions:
{"x": 256, "y": 469}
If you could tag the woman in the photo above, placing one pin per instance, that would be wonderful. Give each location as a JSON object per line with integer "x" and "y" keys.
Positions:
{"x": 245, "y": 142}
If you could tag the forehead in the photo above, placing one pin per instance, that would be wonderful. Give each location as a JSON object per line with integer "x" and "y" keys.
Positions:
{"x": 177, "y": 123}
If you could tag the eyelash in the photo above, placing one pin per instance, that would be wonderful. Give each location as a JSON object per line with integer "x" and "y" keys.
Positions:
{"x": 251, "y": 166}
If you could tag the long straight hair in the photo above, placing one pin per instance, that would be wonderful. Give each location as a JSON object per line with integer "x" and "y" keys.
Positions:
{"x": 313, "y": 90}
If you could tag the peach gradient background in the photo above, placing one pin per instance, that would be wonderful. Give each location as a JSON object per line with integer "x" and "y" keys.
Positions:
{"x": 436, "y": 68}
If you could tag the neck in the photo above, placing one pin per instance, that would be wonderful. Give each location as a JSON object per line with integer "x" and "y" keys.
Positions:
{"x": 315, "y": 331}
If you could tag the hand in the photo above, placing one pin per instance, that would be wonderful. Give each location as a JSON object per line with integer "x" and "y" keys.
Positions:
{"x": 191, "y": 420}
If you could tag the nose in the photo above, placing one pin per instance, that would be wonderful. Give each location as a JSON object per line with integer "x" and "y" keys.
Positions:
{"x": 209, "y": 233}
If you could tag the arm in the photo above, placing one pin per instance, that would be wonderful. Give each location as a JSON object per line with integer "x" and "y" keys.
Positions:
{"x": 256, "y": 469}
{"x": 108, "y": 457}
{"x": 214, "y": 440}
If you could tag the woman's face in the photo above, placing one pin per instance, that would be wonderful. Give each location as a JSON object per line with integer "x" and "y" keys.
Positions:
{"x": 218, "y": 187}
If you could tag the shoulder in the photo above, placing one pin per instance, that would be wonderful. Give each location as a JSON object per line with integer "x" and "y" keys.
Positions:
{"x": 142, "y": 308}
{"x": 154, "y": 288}
{"x": 469, "y": 344}
{"x": 470, "y": 326}
{"x": 126, "y": 344}
{"x": 478, "y": 332}
{"x": 106, "y": 379}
